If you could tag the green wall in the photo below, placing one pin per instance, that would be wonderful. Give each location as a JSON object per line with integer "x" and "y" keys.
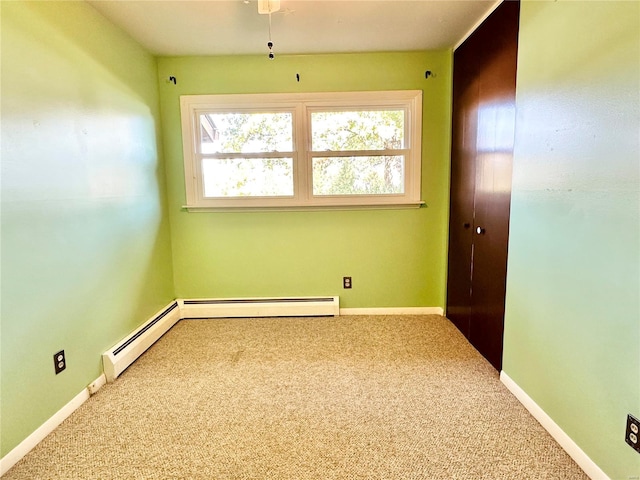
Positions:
{"x": 572, "y": 332}
{"x": 86, "y": 253}
{"x": 396, "y": 257}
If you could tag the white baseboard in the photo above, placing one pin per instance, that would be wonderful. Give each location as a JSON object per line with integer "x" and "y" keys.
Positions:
{"x": 582, "y": 459}
{"x": 97, "y": 384}
{"x": 24, "y": 447}
{"x": 393, "y": 311}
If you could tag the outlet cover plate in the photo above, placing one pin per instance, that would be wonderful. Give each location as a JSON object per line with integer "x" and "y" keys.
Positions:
{"x": 59, "y": 361}
{"x": 632, "y": 435}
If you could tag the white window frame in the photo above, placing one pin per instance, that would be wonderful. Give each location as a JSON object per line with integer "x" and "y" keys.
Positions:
{"x": 301, "y": 105}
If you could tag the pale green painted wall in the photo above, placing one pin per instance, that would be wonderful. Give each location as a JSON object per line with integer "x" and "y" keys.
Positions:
{"x": 572, "y": 333}
{"x": 397, "y": 258}
{"x": 86, "y": 251}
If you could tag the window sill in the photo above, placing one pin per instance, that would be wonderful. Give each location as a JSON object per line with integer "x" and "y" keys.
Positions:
{"x": 303, "y": 208}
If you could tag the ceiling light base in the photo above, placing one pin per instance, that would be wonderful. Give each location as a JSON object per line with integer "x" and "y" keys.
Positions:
{"x": 266, "y": 7}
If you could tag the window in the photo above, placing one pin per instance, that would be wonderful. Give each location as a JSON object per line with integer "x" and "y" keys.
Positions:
{"x": 290, "y": 151}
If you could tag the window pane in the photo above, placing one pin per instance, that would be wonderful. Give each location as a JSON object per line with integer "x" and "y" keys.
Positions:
{"x": 247, "y": 177}
{"x": 246, "y": 132}
{"x": 358, "y": 130}
{"x": 358, "y": 175}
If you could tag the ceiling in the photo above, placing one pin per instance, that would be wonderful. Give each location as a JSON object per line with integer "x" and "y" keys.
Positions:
{"x": 170, "y": 27}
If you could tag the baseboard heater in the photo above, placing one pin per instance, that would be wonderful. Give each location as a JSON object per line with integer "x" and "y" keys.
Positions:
{"x": 123, "y": 354}
{"x": 260, "y": 307}
{"x": 117, "y": 359}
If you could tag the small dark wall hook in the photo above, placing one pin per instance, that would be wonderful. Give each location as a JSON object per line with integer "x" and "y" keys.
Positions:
{"x": 297, "y": 77}
{"x": 427, "y": 74}
{"x": 173, "y": 80}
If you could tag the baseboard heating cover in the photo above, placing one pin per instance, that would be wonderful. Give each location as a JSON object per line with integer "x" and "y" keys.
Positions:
{"x": 124, "y": 353}
{"x": 260, "y": 307}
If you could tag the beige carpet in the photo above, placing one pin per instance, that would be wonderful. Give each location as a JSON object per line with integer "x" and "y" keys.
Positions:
{"x": 395, "y": 397}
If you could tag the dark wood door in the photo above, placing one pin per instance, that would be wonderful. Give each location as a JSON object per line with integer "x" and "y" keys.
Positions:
{"x": 484, "y": 82}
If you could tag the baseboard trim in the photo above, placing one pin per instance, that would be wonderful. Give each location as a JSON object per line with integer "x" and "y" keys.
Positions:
{"x": 24, "y": 447}
{"x": 393, "y": 311}
{"x": 97, "y": 384}
{"x": 582, "y": 459}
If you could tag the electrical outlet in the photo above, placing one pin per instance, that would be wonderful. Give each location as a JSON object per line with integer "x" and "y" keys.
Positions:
{"x": 346, "y": 282}
{"x": 59, "y": 362}
{"x": 632, "y": 435}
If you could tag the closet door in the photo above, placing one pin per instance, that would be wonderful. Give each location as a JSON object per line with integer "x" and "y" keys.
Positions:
{"x": 463, "y": 185}
{"x": 482, "y": 150}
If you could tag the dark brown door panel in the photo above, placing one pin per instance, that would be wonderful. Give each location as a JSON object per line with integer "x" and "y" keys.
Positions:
{"x": 483, "y": 123}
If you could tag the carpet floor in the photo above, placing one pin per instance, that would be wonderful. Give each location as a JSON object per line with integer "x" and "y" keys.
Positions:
{"x": 369, "y": 397}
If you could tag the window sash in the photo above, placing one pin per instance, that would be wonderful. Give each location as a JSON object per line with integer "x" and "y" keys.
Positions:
{"x": 318, "y": 110}
{"x": 359, "y": 186}
{"x": 244, "y": 112}
{"x": 282, "y": 187}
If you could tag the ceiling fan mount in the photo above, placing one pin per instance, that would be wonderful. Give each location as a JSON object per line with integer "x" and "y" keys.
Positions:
{"x": 267, "y": 7}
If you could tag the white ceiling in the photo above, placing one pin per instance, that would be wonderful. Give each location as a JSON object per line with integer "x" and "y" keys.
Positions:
{"x": 217, "y": 27}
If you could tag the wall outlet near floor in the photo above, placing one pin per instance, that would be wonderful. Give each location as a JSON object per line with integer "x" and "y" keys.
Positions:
{"x": 632, "y": 435}
{"x": 59, "y": 361}
{"x": 346, "y": 282}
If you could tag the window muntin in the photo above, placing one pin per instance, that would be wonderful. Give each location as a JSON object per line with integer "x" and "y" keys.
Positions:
{"x": 302, "y": 150}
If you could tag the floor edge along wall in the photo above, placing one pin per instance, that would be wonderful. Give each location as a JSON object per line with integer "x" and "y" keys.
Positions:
{"x": 24, "y": 447}
{"x": 567, "y": 444}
